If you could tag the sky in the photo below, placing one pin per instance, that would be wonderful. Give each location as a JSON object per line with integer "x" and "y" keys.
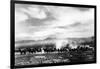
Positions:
{"x": 38, "y": 22}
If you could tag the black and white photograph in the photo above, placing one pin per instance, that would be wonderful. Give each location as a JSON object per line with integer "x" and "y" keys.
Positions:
{"x": 50, "y": 34}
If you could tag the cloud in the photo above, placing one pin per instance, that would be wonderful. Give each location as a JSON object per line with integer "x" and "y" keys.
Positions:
{"x": 34, "y": 22}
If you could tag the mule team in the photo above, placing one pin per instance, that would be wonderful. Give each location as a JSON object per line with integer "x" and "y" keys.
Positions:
{"x": 53, "y": 48}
